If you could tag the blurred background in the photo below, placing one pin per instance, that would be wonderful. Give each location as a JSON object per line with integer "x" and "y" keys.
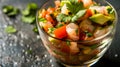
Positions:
{"x": 24, "y": 48}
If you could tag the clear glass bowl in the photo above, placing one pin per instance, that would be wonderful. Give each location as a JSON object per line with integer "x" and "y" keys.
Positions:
{"x": 91, "y": 51}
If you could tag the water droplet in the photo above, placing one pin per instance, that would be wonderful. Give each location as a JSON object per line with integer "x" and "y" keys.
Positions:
{"x": 23, "y": 50}
{"x": 45, "y": 56}
{"x": 50, "y": 61}
{"x": 19, "y": 55}
{"x": 28, "y": 46}
{"x": 38, "y": 37}
{"x": 15, "y": 64}
{"x": 10, "y": 44}
{"x": 52, "y": 65}
{"x": 116, "y": 55}
{"x": 37, "y": 58}
{"x": 26, "y": 53}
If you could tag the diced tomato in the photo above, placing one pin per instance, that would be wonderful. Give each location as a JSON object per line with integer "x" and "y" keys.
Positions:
{"x": 89, "y": 12}
{"x": 49, "y": 18}
{"x": 43, "y": 13}
{"x": 60, "y": 32}
{"x": 50, "y": 10}
{"x": 87, "y": 3}
{"x": 87, "y": 15}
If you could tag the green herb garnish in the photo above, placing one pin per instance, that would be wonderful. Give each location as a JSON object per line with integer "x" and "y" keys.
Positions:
{"x": 109, "y": 9}
{"x": 7, "y": 8}
{"x": 29, "y": 51}
{"x": 10, "y": 29}
{"x": 50, "y": 30}
{"x": 28, "y": 14}
{"x": 88, "y": 34}
{"x": 35, "y": 29}
{"x": 68, "y": 42}
{"x": 32, "y": 6}
{"x": 78, "y": 15}
{"x": 14, "y": 12}
{"x": 42, "y": 19}
{"x": 28, "y": 19}
{"x": 63, "y": 18}
{"x": 59, "y": 25}
{"x": 74, "y": 6}
{"x": 10, "y": 10}
{"x": 68, "y": 18}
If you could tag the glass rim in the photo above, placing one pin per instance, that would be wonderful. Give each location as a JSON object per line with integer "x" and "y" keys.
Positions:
{"x": 80, "y": 41}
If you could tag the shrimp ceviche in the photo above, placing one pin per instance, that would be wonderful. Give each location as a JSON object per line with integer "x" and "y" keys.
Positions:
{"x": 72, "y": 27}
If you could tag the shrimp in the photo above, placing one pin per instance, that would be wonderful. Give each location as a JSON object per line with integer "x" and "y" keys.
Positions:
{"x": 73, "y": 48}
{"x": 100, "y": 9}
{"x": 72, "y": 31}
{"x": 86, "y": 25}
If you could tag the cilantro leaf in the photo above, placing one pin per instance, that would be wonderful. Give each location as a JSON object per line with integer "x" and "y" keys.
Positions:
{"x": 10, "y": 10}
{"x": 74, "y": 6}
{"x": 10, "y": 29}
{"x": 35, "y": 29}
{"x": 32, "y": 6}
{"x": 59, "y": 25}
{"x": 50, "y": 30}
{"x": 28, "y": 19}
{"x": 78, "y": 15}
{"x": 14, "y": 12}
{"x": 7, "y": 8}
{"x": 42, "y": 20}
{"x": 63, "y": 18}
{"x": 68, "y": 42}
{"x": 88, "y": 33}
{"x": 26, "y": 12}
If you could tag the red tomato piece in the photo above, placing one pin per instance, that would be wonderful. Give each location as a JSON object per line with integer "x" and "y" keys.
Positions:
{"x": 49, "y": 18}
{"x": 60, "y": 32}
{"x": 50, "y": 10}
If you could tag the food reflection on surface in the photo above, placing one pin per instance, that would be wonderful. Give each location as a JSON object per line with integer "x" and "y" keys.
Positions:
{"x": 72, "y": 28}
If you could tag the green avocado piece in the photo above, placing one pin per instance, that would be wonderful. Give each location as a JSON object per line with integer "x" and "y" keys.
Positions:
{"x": 100, "y": 18}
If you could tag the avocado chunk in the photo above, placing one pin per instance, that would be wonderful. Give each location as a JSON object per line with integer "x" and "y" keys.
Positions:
{"x": 100, "y": 18}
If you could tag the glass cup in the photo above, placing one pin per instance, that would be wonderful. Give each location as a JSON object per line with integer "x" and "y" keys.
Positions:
{"x": 90, "y": 51}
